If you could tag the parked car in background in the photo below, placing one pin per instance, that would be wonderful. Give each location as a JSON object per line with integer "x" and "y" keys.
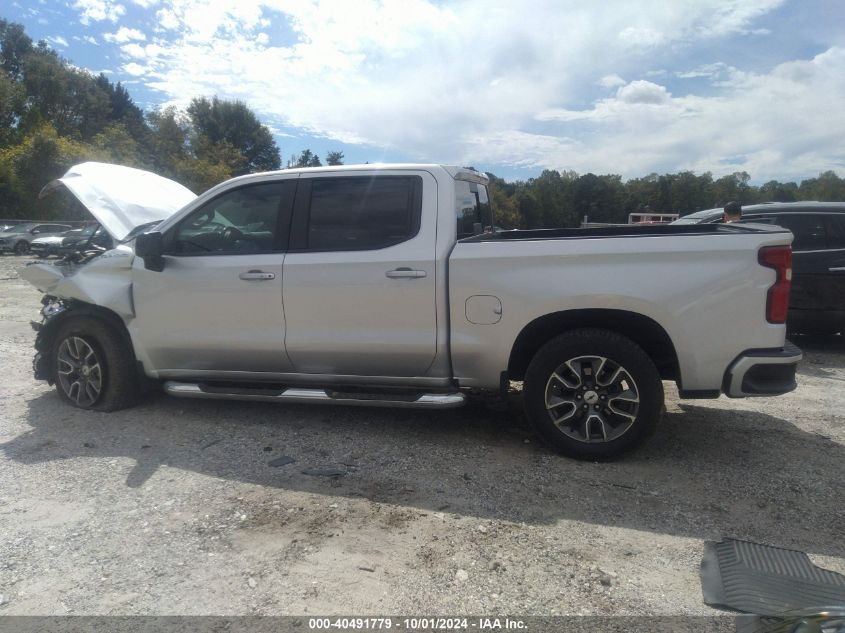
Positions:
{"x": 93, "y": 234}
{"x": 18, "y": 238}
{"x": 707, "y": 216}
{"x": 817, "y": 302}
{"x": 48, "y": 246}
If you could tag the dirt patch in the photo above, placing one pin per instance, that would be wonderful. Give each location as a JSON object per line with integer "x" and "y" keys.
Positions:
{"x": 174, "y": 506}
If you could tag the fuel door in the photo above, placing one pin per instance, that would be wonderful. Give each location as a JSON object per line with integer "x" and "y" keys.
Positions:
{"x": 483, "y": 309}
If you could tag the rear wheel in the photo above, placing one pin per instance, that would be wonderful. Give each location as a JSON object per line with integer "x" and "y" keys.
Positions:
{"x": 593, "y": 393}
{"x": 22, "y": 248}
{"x": 93, "y": 367}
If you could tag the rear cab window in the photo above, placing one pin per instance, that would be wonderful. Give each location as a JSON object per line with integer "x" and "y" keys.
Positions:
{"x": 472, "y": 206}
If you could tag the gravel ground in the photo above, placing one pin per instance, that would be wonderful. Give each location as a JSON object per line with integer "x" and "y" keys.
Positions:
{"x": 188, "y": 507}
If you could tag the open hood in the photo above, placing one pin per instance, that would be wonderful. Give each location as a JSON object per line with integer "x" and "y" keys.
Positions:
{"x": 122, "y": 198}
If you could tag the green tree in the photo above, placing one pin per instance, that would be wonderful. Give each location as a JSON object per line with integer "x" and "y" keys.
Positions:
{"x": 774, "y": 191}
{"x": 43, "y": 155}
{"x": 15, "y": 45}
{"x": 233, "y": 123}
{"x": 116, "y": 145}
{"x": 65, "y": 98}
{"x": 733, "y": 187}
{"x": 12, "y": 99}
{"x": 334, "y": 158}
{"x": 505, "y": 205}
{"x": 167, "y": 141}
{"x": 308, "y": 159}
{"x": 827, "y": 187}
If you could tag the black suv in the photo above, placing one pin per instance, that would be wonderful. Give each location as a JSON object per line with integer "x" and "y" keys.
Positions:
{"x": 817, "y": 302}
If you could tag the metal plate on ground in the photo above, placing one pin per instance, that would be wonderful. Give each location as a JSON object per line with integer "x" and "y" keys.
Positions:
{"x": 765, "y": 580}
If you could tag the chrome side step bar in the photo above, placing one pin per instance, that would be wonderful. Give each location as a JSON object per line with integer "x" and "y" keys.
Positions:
{"x": 320, "y": 396}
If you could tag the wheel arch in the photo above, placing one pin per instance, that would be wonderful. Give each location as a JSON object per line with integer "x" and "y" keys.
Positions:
{"x": 46, "y": 336}
{"x": 642, "y": 330}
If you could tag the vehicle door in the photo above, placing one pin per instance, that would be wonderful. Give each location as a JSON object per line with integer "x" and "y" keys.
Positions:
{"x": 835, "y": 264}
{"x": 217, "y": 304}
{"x": 49, "y": 230}
{"x": 40, "y": 230}
{"x": 809, "y": 259}
{"x": 360, "y": 279}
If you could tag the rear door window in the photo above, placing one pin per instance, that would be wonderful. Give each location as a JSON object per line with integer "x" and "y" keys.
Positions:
{"x": 758, "y": 219}
{"x": 836, "y": 231}
{"x": 358, "y": 213}
{"x": 808, "y": 228}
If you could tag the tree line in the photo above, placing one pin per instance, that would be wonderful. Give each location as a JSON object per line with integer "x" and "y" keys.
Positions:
{"x": 560, "y": 199}
{"x": 54, "y": 115}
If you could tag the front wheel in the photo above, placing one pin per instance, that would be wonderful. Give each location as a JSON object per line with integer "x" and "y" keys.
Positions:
{"x": 93, "y": 367}
{"x": 592, "y": 393}
{"x": 22, "y": 248}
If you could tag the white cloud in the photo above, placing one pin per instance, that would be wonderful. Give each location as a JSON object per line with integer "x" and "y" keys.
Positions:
{"x": 134, "y": 69}
{"x": 123, "y": 35}
{"x": 134, "y": 50}
{"x": 91, "y": 39}
{"x": 773, "y": 125}
{"x": 483, "y": 83}
{"x": 642, "y": 91}
{"x": 58, "y": 40}
{"x": 710, "y": 71}
{"x": 736, "y": 16}
{"x": 98, "y": 10}
{"x": 612, "y": 81}
{"x": 167, "y": 19}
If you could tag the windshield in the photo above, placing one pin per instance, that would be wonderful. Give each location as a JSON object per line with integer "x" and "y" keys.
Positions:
{"x": 143, "y": 228}
{"x": 20, "y": 228}
{"x": 688, "y": 220}
{"x": 472, "y": 205}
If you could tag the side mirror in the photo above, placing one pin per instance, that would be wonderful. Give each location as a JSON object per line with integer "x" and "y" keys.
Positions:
{"x": 149, "y": 247}
{"x": 35, "y": 231}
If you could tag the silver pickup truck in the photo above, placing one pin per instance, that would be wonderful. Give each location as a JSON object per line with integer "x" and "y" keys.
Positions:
{"x": 390, "y": 285}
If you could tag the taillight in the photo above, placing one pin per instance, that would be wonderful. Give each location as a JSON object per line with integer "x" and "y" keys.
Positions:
{"x": 780, "y": 259}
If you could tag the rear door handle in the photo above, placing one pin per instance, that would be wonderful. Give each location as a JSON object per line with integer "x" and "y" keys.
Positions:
{"x": 405, "y": 273}
{"x": 256, "y": 275}
{"x": 837, "y": 269}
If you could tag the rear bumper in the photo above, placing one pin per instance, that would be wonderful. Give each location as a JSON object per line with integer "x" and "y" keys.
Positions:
{"x": 763, "y": 372}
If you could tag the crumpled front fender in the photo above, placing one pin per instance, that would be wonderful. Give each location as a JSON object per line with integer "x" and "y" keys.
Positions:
{"x": 105, "y": 281}
{"x": 54, "y": 312}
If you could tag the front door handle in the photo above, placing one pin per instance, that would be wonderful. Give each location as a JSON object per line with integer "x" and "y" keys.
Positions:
{"x": 837, "y": 269}
{"x": 405, "y": 273}
{"x": 256, "y": 275}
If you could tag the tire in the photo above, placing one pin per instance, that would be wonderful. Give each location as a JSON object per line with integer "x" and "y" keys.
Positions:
{"x": 110, "y": 381}
{"x": 592, "y": 418}
{"x": 21, "y": 248}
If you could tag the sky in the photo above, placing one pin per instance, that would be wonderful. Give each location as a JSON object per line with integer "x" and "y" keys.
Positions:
{"x": 628, "y": 87}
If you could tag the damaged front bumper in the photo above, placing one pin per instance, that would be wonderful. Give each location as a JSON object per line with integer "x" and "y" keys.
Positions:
{"x": 51, "y": 307}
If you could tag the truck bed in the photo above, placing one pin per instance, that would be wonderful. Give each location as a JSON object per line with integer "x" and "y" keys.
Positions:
{"x": 629, "y": 230}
